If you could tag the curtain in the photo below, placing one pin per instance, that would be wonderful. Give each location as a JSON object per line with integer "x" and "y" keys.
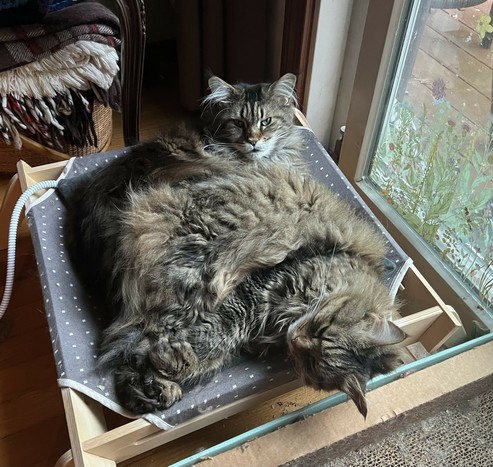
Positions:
{"x": 235, "y": 40}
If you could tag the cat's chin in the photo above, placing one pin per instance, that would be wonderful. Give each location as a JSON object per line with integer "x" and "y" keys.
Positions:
{"x": 257, "y": 153}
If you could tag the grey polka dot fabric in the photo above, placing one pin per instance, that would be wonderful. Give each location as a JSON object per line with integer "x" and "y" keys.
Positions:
{"x": 73, "y": 315}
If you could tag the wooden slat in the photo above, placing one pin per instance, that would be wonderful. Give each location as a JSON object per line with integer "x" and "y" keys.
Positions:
{"x": 85, "y": 420}
{"x": 225, "y": 429}
{"x": 416, "y": 324}
{"x": 140, "y": 436}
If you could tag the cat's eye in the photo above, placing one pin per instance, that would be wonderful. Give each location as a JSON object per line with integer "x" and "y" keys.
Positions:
{"x": 238, "y": 123}
{"x": 266, "y": 121}
{"x": 319, "y": 333}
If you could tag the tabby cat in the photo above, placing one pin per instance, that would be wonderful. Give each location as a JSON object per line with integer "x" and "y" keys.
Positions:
{"x": 252, "y": 121}
{"x": 200, "y": 259}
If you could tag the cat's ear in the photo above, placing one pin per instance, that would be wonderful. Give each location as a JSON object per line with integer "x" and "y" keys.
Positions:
{"x": 220, "y": 90}
{"x": 380, "y": 331}
{"x": 355, "y": 389}
{"x": 283, "y": 88}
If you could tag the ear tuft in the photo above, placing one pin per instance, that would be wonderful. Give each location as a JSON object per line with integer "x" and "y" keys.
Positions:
{"x": 283, "y": 88}
{"x": 220, "y": 91}
{"x": 355, "y": 389}
{"x": 381, "y": 331}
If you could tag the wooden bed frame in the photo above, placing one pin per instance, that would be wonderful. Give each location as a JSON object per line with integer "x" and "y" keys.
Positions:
{"x": 426, "y": 319}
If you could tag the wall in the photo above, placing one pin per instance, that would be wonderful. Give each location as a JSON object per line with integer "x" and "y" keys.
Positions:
{"x": 337, "y": 40}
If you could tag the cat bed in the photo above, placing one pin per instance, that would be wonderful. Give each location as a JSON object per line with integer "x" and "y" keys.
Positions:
{"x": 74, "y": 316}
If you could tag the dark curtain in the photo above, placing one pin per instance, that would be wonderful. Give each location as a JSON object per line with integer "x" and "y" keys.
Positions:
{"x": 235, "y": 40}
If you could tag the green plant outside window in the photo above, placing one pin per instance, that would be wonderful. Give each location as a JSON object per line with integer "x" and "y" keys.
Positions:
{"x": 434, "y": 166}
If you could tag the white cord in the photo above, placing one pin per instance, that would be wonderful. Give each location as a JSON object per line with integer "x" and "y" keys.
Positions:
{"x": 14, "y": 221}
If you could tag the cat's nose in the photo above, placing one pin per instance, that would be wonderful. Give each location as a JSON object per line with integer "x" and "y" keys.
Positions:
{"x": 300, "y": 342}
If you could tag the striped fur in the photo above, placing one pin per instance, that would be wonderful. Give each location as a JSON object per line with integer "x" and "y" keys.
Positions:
{"x": 201, "y": 266}
{"x": 252, "y": 121}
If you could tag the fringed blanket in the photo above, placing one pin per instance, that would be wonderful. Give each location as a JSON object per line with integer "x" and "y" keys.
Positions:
{"x": 52, "y": 71}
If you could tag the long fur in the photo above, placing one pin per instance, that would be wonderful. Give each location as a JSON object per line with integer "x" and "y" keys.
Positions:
{"x": 201, "y": 256}
{"x": 252, "y": 122}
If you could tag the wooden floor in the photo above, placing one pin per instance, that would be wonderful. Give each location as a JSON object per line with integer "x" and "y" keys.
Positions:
{"x": 450, "y": 50}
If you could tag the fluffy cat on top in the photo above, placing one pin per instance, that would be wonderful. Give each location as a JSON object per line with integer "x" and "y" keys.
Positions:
{"x": 209, "y": 244}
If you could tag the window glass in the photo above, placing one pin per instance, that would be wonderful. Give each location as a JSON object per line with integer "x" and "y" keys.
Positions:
{"x": 433, "y": 157}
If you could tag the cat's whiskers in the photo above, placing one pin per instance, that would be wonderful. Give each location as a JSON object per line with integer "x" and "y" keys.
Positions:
{"x": 221, "y": 147}
{"x": 216, "y": 117}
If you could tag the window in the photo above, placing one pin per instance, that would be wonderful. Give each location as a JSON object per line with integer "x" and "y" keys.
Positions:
{"x": 426, "y": 156}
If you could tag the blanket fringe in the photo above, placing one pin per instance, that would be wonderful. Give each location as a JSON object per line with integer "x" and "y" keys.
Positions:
{"x": 76, "y": 66}
{"x": 52, "y": 99}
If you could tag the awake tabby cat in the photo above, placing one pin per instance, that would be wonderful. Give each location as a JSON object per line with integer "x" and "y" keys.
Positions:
{"x": 252, "y": 121}
{"x": 200, "y": 259}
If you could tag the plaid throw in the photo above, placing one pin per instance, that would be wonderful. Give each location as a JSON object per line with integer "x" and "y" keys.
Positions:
{"x": 82, "y": 21}
{"x": 52, "y": 72}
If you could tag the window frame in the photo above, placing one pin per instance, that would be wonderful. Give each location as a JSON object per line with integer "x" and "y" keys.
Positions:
{"x": 377, "y": 63}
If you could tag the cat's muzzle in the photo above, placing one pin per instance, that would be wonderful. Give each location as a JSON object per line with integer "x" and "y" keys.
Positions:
{"x": 299, "y": 343}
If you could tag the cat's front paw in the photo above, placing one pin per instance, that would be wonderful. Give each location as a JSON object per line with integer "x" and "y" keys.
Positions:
{"x": 174, "y": 360}
{"x": 144, "y": 393}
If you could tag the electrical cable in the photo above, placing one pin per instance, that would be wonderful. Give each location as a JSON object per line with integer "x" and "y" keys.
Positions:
{"x": 11, "y": 248}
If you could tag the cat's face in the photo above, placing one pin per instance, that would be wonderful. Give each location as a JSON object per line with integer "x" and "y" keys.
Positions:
{"x": 247, "y": 120}
{"x": 339, "y": 345}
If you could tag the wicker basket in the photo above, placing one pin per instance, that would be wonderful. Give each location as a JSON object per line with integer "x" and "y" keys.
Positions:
{"x": 36, "y": 154}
